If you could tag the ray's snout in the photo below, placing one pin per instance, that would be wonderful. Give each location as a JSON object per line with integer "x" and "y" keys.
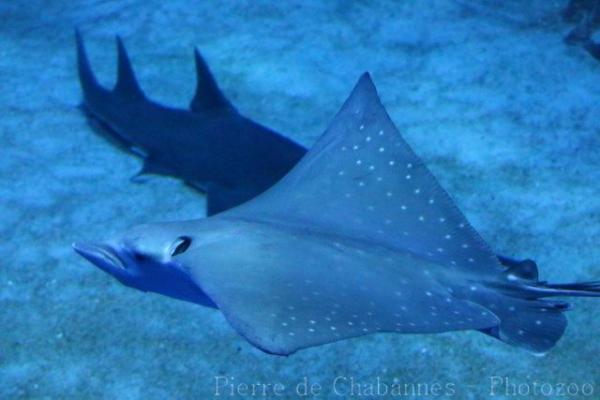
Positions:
{"x": 101, "y": 255}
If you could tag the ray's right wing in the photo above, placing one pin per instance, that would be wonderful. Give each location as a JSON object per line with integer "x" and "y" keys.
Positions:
{"x": 362, "y": 180}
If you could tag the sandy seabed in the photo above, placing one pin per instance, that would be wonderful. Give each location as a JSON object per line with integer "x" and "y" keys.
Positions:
{"x": 500, "y": 109}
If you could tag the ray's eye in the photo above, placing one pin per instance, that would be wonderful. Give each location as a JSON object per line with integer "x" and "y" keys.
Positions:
{"x": 180, "y": 245}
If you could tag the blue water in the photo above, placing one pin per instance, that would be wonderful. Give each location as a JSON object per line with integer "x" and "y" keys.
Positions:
{"x": 501, "y": 110}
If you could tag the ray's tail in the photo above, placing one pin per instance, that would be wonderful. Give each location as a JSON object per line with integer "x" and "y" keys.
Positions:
{"x": 581, "y": 289}
{"x": 528, "y": 319}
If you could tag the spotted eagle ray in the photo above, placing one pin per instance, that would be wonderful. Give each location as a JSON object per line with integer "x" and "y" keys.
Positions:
{"x": 358, "y": 238}
{"x": 211, "y": 147}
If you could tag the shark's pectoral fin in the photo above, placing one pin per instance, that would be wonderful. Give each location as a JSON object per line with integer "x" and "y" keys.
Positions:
{"x": 150, "y": 167}
{"x": 219, "y": 198}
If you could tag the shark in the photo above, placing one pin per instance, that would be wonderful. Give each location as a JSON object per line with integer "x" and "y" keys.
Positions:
{"x": 211, "y": 146}
{"x": 190, "y": 144}
{"x": 358, "y": 238}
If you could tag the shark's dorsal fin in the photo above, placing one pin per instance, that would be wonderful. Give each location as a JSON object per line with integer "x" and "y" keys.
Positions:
{"x": 208, "y": 96}
{"x": 363, "y": 181}
{"x": 127, "y": 84}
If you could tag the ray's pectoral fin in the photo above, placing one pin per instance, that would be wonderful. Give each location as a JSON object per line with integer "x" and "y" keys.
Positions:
{"x": 289, "y": 295}
{"x": 361, "y": 167}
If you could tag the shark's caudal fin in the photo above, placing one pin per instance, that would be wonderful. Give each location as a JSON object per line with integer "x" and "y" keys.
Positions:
{"x": 127, "y": 84}
{"x": 208, "y": 95}
{"x": 89, "y": 84}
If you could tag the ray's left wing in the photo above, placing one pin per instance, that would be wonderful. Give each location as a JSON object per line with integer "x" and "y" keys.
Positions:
{"x": 283, "y": 290}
